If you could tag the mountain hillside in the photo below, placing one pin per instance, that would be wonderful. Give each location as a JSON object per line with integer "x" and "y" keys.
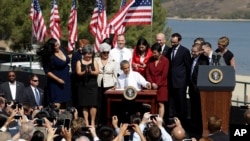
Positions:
{"x": 225, "y": 9}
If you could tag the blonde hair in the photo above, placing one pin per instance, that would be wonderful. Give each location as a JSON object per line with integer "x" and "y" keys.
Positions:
{"x": 223, "y": 41}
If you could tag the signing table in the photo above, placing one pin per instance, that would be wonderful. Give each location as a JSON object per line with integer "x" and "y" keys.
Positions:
{"x": 144, "y": 96}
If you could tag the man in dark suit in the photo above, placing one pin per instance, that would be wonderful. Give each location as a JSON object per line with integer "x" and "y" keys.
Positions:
{"x": 33, "y": 95}
{"x": 12, "y": 89}
{"x": 198, "y": 58}
{"x": 179, "y": 76}
{"x": 161, "y": 39}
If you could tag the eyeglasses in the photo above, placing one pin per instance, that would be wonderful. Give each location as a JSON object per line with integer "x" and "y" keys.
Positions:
{"x": 12, "y": 76}
{"x": 105, "y": 52}
{"x": 35, "y": 80}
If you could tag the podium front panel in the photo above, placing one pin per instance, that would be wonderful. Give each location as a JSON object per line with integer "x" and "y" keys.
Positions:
{"x": 216, "y": 78}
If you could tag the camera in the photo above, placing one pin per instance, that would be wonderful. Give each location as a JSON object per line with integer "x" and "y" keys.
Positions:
{"x": 153, "y": 117}
{"x": 71, "y": 109}
{"x": 40, "y": 122}
{"x": 85, "y": 129}
{"x": 16, "y": 104}
{"x": 130, "y": 127}
{"x": 17, "y": 116}
{"x": 171, "y": 121}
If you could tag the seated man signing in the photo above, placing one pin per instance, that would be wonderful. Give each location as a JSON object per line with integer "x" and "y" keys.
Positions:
{"x": 131, "y": 78}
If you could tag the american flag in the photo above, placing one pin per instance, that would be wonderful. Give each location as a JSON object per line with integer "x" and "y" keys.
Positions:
{"x": 72, "y": 27}
{"x": 120, "y": 29}
{"x": 98, "y": 24}
{"x": 38, "y": 25}
{"x": 55, "y": 30}
{"x": 139, "y": 13}
{"x": 115, "y": 25}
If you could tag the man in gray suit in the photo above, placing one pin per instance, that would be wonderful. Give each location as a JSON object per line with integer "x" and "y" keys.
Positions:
{"x": 33, "y": 95}
{"x": 12, "y": 90}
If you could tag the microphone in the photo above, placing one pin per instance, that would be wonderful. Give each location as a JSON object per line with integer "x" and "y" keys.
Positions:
{"x": 214, "y": 57}
{"x": 218, "y": 59}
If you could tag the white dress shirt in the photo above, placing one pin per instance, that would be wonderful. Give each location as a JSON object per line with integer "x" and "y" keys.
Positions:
{"x": 13, "y": 89}
{"x": 116, "y": 54}
{"x": 134, "y": 79}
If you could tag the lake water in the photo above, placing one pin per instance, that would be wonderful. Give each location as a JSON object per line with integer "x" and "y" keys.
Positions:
{"x": 237, "y": 31}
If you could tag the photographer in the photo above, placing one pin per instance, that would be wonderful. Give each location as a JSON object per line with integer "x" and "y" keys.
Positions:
{"x": 178, "y": 133}
{"x": 15, "y": 119}
{"x": 151, "y": 123}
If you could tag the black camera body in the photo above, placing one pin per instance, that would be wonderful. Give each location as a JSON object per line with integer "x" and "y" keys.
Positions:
{"x": 71, "y": 109}
{"x": 40, "y": 122}
{"x": 17, "y": 116}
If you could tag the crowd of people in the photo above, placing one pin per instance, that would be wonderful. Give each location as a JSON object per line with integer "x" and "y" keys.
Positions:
{"x": 171, "y": 70}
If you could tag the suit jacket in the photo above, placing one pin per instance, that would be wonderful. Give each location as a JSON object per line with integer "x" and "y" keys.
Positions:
{"x": 29, "y": 96}
{"x": 202, "y": 60}
{"x": 180, "y": 67}
{"x": 5, "y": 88}
{"x": 220, "y": 136}
{"x": 165, "y": 50}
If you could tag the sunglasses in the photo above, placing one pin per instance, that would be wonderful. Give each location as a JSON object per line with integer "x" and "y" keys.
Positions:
{"x": 105, "y": 52}
{"x": 35, "y": 80}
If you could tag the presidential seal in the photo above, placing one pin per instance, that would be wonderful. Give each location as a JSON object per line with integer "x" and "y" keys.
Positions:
{"x": 130, "y": 93}
{"x": 215, "y": 76}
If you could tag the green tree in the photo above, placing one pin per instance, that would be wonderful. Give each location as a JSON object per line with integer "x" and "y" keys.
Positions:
{"x": 15, "y": 24}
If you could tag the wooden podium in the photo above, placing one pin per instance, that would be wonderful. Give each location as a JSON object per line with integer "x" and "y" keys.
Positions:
{"x": 145, "y": 96}
{"x": 216, "y": 84}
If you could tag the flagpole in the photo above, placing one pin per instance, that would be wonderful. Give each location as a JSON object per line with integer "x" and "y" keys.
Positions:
{"x": 152, "y": 21}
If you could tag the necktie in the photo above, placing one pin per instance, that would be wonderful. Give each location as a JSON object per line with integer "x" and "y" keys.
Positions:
{"x": 173, "y": 53}
{"x": 37, "y": 96}
{"x": 126, "y": 82}
{"x": 121, "y": 55}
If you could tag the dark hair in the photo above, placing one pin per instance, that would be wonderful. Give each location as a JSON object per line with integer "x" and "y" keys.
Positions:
{"x": 123, "y": 62}
{"x": 156, "y": 47}
{"x": 32, "y": 76}
{"x": 141, "y": 41}
{"x": 154, "y": 133}
{"x": 135, "y": 119}
{"x": 38, "y": 136}
{"x": 107, "y": 40}
{"x": 206, "y": 44}
{"x": 202, "y": 40}
{"x": 214, "y": 124}
{"x": 106, "y": 133}
{"x": 178, "y": 35}
{"x": 46, "y": 52}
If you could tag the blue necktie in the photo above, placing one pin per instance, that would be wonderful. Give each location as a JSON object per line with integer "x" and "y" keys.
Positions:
{"x": 37, "y": 97}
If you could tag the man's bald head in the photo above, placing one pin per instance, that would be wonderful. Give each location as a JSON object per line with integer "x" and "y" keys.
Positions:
{"x": 178, "y": 133}
{"x": 161, "y": 39}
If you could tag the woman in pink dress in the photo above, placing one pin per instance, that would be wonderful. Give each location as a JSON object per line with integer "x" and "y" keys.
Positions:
{"x": 156, "y": 74}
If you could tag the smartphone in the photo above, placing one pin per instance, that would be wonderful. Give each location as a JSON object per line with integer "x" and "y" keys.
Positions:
{"x": 171, "y": 121}
{"x": 66, "y": 123}
{"x": 17, "y": 116}
{"x": 187, "y": 140}
{"x": 154, "y": 116}
{"x": 40, "y": 122}
{"x": 130, "y": 127}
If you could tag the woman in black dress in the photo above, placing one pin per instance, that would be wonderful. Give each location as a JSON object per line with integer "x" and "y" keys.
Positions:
{"x": 227, "y": 55}
{"x": 87, "y": 70}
